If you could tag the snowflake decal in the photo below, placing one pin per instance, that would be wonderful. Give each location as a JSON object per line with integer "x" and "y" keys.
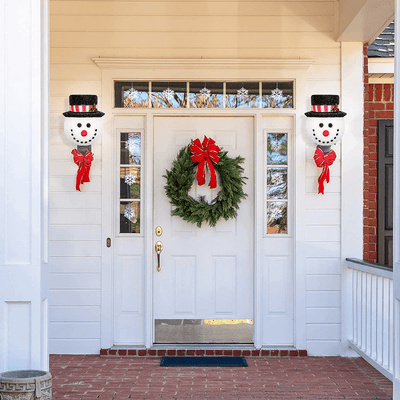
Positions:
{"x": 275, "y": 145}
{"x": 133, "y": 94}
{"x": 242, "y": 93}
{"x": 205, "y": 93}
{"x": 130, "y": 179}
{"x": 132, "y": 145}
{"x": 168, "y": 93}
{"x": 276, "y": 94}
{"x": 130, "y": 214}
{"x": 275, "y": 213}
{"x": 277, "y": 179}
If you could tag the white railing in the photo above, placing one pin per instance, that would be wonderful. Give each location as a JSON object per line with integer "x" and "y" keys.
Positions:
{"x": 372, "y": 314}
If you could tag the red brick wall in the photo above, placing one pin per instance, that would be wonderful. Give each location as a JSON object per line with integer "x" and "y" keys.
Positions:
{"x": 378, "y": 104}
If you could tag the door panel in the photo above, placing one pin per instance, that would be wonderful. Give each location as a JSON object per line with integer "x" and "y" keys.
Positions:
{"x": 206, "y": 272}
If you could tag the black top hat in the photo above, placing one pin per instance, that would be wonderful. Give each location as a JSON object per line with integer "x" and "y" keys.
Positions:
{"x": 83, "y": 106}
{"x": 325, "y": 106}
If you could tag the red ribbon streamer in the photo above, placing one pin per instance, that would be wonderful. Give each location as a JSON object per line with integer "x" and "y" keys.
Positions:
{"x": 84, "y": 163}
{"x": 323, "y": 161}
{"x": 202, "y": 153}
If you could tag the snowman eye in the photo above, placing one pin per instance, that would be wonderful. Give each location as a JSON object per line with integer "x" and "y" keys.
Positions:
{"x": 88, "y": 125}
{"x": 321, "y": 125}
{"x": 330, "y": 125}
{"x": 79, "y": 125}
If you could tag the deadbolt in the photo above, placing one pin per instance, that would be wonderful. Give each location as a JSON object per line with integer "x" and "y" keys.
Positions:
{"x": 159, "y": 231}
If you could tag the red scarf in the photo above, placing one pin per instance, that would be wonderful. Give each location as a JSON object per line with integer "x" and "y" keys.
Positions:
{"x": 206, "y": 152}
{"x": 84, "y": 163}
{"x": 323, "y": 161}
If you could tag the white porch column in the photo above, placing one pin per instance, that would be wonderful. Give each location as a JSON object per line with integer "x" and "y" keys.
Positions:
{"x": 396, "y": 208}
{"x": 23, "y": 184}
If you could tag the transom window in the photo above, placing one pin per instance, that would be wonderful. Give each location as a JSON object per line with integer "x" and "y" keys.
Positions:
{"x": 203, "y": 94}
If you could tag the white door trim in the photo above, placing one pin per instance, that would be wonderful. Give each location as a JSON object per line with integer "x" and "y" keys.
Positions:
{"x": 113, "y": 72}
{"x": 107, "y": 276}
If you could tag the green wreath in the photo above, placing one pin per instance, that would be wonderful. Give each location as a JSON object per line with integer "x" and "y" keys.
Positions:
{"x": 225, "y": 205}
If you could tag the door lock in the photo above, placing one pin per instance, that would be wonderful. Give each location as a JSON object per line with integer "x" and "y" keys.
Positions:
{"x": 159, "y": 231}
{"x": 159, "y": 248}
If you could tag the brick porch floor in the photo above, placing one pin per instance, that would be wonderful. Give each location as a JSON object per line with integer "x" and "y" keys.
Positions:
{"x": 288, "y": 378}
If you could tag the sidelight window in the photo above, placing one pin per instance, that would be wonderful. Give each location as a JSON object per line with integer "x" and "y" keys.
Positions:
{"x": 130, "y": 181}
{"x": 277, "y": 183}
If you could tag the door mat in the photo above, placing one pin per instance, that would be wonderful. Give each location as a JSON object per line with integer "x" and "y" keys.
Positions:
{"x": 203, "y": 361}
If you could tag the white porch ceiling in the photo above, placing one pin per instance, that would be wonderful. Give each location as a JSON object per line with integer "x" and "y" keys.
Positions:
{"x": 363, "y": 20}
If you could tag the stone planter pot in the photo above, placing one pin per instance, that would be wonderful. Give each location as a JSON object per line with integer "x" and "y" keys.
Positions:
{"x": 25, "y": 385}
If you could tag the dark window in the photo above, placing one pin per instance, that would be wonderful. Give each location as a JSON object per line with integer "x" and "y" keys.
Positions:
{"x": 385, "y": 192}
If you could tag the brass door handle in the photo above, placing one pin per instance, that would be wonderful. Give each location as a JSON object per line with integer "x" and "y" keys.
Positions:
{"x": 159, "y": 248}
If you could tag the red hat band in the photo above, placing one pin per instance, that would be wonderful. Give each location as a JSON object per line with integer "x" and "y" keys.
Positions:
{"x": 83, "y": 108}
{"x": 324, "y": 108}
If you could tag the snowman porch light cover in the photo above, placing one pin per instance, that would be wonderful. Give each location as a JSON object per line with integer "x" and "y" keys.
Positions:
{"x": 83, "y": 126}
{"x": 325, "y": 126}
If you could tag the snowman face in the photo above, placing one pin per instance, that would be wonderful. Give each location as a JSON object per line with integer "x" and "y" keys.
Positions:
{"x": 325, "y": 131}
{"x": 83, "y": 131}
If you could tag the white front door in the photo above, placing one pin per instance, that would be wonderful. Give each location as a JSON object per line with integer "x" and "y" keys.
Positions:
{"x": 207, "y": 272}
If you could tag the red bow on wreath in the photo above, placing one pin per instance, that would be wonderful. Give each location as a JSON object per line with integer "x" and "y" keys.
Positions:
{"x": 323, "y": 161}
{"x": 83, "y": 162}
{"x": 202, "y": 153}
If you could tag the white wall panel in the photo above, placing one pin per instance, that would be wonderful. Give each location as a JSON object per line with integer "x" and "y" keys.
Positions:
{"x": 328, "y": 331}
{"x": 75, "y": 232}
{"x": 74, "y": 297}
{"x": 88, "y": 248}
{"x": 319, "y": 298}
{"x": 74, "y": 346}
{"x": 323, "y": 282}
{"x": 75, "y": 281}
{"x": 323, "y": 249}
{"x": 74, "y": 216}
{"x": 323, "y": 266}
{"x": 18, "y": 333}
{"x": 74, "y": 313}
{"x": 323, "y": 315}
{"x": 323, "y": 233}
{"x": 74, "y": 330}
{"x": 323, "y": 217}
{"x": 318, "y": 347}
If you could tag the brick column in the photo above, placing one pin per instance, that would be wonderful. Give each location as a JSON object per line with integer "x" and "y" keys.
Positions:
{"x": 378, "y": 104}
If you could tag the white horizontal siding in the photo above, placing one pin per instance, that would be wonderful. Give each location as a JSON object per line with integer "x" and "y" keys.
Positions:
{"x": 74, "y": 313}
{"x": 74, "y": 346}
{"x": 74, "y": 298}
{"x": 191, "y": 8}
{"x": 87, "y": 248}
{"x": 320, "y": 315}
{"x": 75, "y": 281}
{"x": 323, "y": 299}
{"x": 73, "y": 264}
{"x": 75, "y": 330}
{"x": 323, "y": 266}
{"x": 75, "y": 232}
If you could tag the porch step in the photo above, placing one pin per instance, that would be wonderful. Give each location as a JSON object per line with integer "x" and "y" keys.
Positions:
{"x": 129, "y": 352}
